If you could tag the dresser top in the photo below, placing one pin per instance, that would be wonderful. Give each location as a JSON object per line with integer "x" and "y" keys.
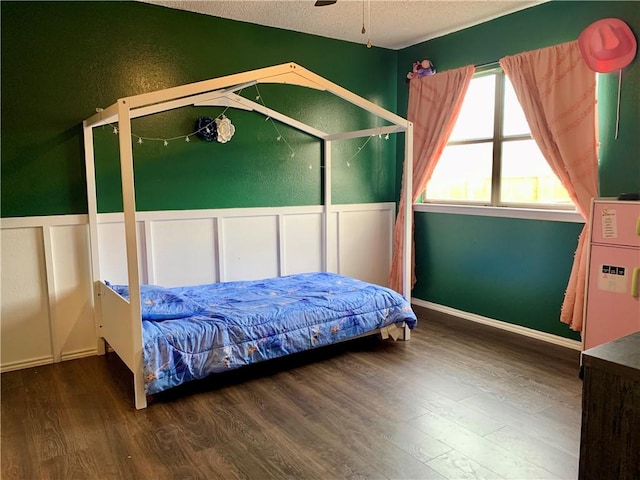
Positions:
{"x": 621, "y": 356}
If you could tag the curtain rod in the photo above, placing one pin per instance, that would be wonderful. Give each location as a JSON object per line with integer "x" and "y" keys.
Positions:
{"x": 487, "y": 66}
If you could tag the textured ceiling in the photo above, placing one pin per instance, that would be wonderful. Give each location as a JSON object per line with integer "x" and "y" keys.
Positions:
{"x": 389, "y": 24}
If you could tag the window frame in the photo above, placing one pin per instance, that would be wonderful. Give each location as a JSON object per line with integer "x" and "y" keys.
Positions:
{"x": 553, "y": 212}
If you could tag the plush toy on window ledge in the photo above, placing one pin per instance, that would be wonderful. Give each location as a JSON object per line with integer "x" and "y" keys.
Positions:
{"x": 421, "y": 69}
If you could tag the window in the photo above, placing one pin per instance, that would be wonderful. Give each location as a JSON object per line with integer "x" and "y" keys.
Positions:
{"x": 491, "y": 158}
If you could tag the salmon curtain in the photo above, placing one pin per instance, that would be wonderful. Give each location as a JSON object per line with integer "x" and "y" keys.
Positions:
{"x": 557, "y": 92}
{"x": 434, "y": 105}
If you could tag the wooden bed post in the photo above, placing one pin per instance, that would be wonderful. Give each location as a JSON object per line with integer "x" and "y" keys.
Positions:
{"x": 406, "y": 333}
{"x": 329, "y": 238}
{"x": 92, "y": 210}
{"x": 130, "y": 228}
{"x": 408, "y": 212}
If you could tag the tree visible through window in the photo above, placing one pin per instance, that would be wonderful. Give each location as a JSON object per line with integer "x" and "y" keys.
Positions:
{"x": 491, "y": 158}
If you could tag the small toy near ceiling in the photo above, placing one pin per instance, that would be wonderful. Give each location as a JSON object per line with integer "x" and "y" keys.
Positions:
{"x": 421, "y": 69}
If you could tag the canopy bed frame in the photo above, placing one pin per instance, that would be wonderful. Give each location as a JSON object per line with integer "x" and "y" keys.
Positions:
{"x": 119, "y": 322}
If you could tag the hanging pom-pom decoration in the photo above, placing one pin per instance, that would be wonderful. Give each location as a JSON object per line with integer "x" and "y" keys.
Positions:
{"x": 225, "y": 129}
{"x": 206, "y": 129}
{"x": 166, "y": 144}
{"x": 139, "y": 140}
{"x": 187, "y": 139}
{"x": 115, "y": 130}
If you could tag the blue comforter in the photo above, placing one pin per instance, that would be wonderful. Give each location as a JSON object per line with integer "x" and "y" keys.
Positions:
{"x": 191, "y": 332}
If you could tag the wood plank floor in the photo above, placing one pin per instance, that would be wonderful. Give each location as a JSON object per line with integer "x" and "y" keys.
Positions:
{"x": 460, "y": 400}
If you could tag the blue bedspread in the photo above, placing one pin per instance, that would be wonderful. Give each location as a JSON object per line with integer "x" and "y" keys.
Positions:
{"x": 227, "y": 325}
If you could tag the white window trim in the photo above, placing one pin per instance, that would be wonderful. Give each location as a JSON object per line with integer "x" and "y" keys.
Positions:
{"x": 569, "y": 216}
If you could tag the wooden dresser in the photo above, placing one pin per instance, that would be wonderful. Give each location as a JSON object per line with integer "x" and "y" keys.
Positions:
{"x": 610, "y": 438}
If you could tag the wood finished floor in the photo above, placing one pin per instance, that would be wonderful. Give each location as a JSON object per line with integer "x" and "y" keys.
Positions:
{"x": 460, "y": 400}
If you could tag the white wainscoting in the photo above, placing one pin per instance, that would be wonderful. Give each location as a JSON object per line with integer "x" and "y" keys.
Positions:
{"x": 46, "y": 292}
{"x": 45, "y": 304}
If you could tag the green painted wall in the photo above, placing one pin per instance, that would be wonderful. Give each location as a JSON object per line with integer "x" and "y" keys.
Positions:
{"x": 500, "y": 268}
{"x": 61, "y": 60}
{"x": 507, "y": 269}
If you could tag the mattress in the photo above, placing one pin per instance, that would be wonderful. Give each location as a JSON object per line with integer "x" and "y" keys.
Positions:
{"x": 192, "y": 332}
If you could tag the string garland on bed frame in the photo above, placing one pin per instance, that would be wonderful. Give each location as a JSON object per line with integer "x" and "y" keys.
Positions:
{"x": 211, "y": 122}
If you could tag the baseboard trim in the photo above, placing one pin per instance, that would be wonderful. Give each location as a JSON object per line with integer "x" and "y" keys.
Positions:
{"x": 87, "y": 352}
{"x": 46, "y": 360}
{"x": 28, "y": 363}
{"x": 528, "y": 332}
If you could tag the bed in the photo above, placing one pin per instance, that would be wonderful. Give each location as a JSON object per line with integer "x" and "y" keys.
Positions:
{"x": 194, "y": 331}
{"x": 221, "y": 326}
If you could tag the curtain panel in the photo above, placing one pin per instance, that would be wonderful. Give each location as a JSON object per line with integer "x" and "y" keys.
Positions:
{"x": 557, "y": 91}
{"x": 434, "y": 105}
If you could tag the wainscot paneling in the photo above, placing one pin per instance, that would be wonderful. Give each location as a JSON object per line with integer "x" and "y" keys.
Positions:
{"x": 300, "y": 242}
{"x": 250, "y": 247}
{"x": 46, "y": 293}
{"x": 357, "y": 228}
{"x": 71, "y": 302}
{"x": 182, "y": 252}
{"x": 46, "y": 303}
